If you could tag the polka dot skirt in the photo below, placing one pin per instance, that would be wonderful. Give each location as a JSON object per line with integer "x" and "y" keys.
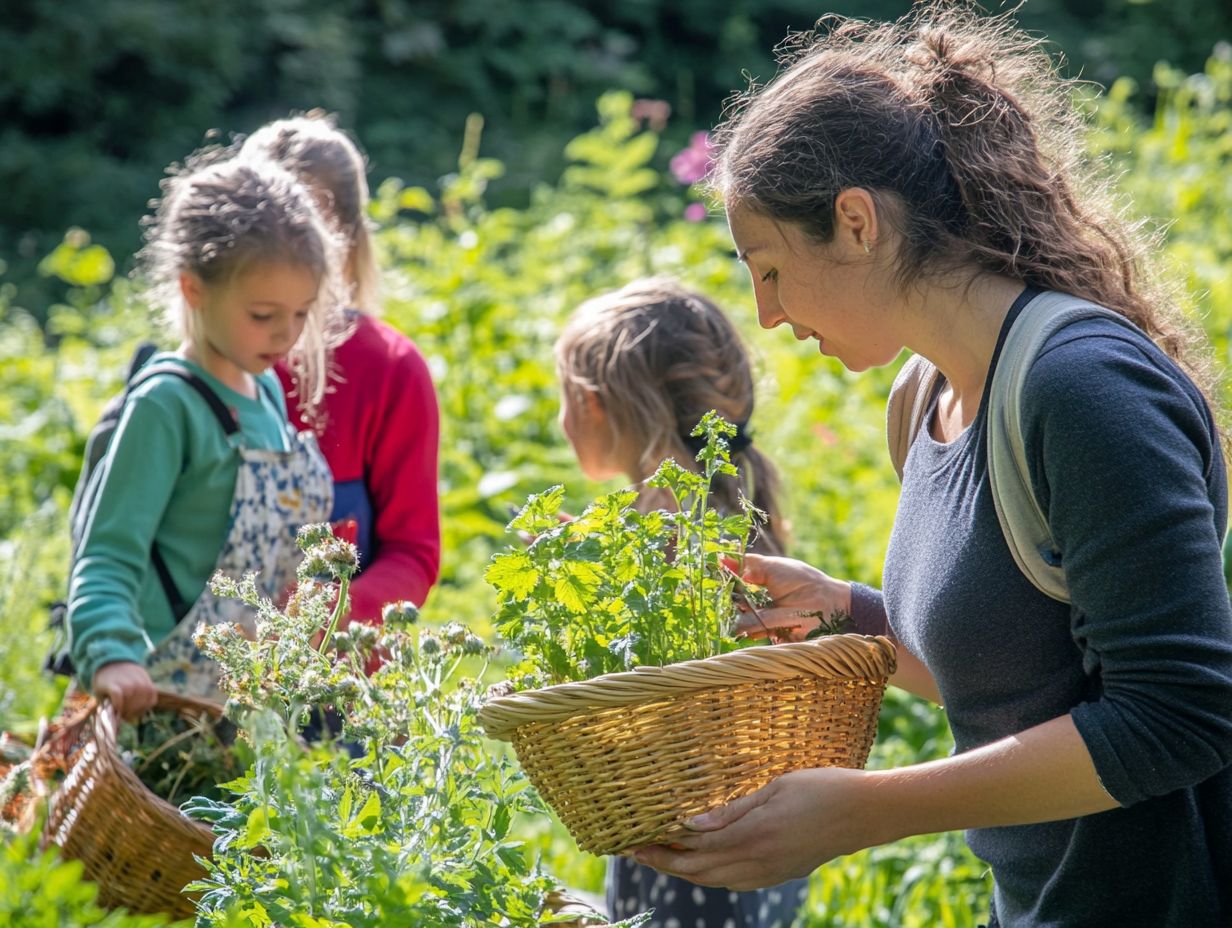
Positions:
{"x": 633, "y": 888}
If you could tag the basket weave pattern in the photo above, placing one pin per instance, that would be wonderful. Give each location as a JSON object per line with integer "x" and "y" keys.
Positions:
{"x": 135, "y": 845}
{"x": 624, "y": 759}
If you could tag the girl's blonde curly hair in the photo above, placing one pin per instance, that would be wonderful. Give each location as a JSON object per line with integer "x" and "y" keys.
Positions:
{"x": 219, "y": 217}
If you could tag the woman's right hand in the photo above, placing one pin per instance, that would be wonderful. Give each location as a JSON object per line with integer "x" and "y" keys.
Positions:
{"x": 801, "y": 597}
{"x": 128, "y": 686}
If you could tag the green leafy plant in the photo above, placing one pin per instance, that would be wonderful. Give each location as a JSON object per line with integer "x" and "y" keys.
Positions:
{"x": 39, "y": 889}
{"x": 417, "y": 829}
{"x": 284, "y": 666}
{"x": 617, "y": 587}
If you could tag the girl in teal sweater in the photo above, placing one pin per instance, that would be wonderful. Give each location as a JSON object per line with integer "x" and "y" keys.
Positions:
{"x": 203, "y": 472}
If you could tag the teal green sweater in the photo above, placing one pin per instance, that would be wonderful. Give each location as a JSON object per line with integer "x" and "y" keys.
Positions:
{"x": 168, "y": 476}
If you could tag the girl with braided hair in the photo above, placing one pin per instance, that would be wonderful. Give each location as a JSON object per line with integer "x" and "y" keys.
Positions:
{"x": 921, "y": 184}
{"x": 638, "y": 368}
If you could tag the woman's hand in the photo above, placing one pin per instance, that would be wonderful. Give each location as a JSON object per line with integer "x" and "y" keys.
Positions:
{"x": 128, "y": 686}
{"x": 807, "y": 817}
{"x": 785, "y": 830}
{"x": 802, "y": 596}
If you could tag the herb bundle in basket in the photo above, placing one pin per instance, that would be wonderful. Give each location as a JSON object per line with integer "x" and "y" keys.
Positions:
{"x": 633, "y": 706}
{"x": 179, "y": 756}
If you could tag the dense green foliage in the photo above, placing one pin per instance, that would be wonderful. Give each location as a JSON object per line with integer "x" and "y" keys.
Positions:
{"x": 99, "y": 95}
{"x": 417, "y": 829}
{"x": 484, "y": 289}
{"x": 39, "y": 890}
{"x": 617, "y": 588}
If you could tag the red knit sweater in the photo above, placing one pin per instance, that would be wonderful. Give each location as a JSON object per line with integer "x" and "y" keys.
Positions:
{"x": 380, "y": 437}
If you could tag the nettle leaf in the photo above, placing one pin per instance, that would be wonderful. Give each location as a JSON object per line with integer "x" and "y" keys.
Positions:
{"x": 302, "y": 920}
{"x": 344, "y": 805}
{"x": 512, "y": 574}
{"x": 603, "y": 513}
{"x": 541, "y": 512}
{"x": 651, "y": 523}
{"x": 624, "y": 570}
{"x": 671, "y": 476}
{"x": 502, "y": 817}
{"x": 575, "y": 585}
{"x": 587, "y": 549}
{"x": 370, "y": 814}
{"x": 736, "y": 525}
{"x": 558, "y": 662}
{"x": 614, "y": 607}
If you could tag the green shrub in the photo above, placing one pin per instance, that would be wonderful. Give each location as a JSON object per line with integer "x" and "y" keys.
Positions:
{"x": 40, "y": 890}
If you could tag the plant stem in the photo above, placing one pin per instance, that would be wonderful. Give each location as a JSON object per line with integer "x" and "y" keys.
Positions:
{"x": 341, "y": 606}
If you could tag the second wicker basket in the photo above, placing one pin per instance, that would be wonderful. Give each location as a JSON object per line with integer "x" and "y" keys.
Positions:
{"x": 625, "y": 758}
{"x": 139, "y": 848}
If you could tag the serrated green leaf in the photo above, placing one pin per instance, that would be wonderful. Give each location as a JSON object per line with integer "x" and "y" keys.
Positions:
{"x": 513, "y": 574}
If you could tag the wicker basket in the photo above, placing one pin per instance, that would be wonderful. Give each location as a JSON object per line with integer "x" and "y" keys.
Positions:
{"x": 135, "y": 845}
{"x": 625, "y": 758}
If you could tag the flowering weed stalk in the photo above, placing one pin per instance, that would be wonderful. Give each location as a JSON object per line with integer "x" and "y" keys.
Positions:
{"x": 416, "y": 830}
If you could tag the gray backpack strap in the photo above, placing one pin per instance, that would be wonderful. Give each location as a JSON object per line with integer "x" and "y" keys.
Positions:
{"x": 908, "y": 403}
{"x": 1022, "y": 520}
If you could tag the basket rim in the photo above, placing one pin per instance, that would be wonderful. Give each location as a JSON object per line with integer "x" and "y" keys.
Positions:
{"x": 837, "y": 657}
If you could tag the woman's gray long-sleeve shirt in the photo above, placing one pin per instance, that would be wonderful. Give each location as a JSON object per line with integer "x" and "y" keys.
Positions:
{"x": 1125, "y": 461}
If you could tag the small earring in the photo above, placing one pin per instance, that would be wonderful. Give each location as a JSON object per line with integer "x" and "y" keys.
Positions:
{"x": 868, "y": 248}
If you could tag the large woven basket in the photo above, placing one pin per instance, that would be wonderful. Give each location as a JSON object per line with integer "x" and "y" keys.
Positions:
{"x": 138, "y": 847}
{"x": 625, "y": 758}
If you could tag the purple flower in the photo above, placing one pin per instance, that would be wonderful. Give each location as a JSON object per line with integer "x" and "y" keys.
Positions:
{"x": 695, "y": 212}
{"x": 693, "y": 163}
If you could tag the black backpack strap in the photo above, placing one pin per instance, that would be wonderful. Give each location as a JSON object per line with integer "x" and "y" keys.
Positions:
{"x": 179, "y": 608}
{"x": 212, "y": 399}
{"x": 141, "y": 354}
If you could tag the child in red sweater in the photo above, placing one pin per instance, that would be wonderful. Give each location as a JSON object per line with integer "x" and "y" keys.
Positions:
{"x": 379, "y": 422}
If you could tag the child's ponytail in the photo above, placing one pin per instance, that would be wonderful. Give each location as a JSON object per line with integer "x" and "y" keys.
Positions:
{"x": 321, "y": 155}
{"x": 1033, "y": 210}
{"x": 659, "y": 357}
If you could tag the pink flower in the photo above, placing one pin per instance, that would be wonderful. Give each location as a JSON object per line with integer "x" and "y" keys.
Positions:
{"x": 693, "y": 163}
{"x": 695, "y": 212}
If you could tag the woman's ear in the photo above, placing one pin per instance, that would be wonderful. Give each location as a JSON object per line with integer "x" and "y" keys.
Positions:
{"x": 192, "y": 288}
{"x": 856, "y": 221}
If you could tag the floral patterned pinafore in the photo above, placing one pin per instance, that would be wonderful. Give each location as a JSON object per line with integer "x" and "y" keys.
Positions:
{"x": 275, "y": 493}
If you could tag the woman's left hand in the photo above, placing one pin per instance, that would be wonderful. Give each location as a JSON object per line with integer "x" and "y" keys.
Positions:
{"x": 785, "y": 830}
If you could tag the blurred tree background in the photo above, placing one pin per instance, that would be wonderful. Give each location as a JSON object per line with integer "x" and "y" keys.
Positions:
{"x": 98, "y": 96}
